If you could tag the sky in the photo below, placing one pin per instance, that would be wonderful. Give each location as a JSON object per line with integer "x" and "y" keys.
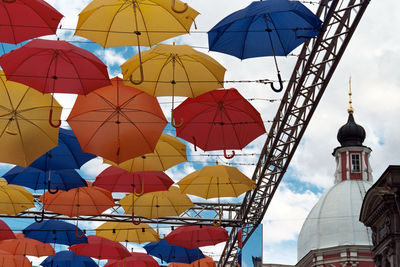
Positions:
{"x": 371, "y": 60}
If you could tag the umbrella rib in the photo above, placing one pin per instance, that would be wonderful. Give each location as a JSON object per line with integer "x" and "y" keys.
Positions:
{"x": 68, "y": 59}
{"x": 11, "y": 202}
{"x": 206, "y": 67}
{"x": 11, "y": 24}
{"x": 246, "y": 34}
{"x": 187, "y": 75}
{"x": 144, "y": 22}
{"x": 111, "y": 23}
{"x": 167, "y": 61}
{"x": 277, "y": 33}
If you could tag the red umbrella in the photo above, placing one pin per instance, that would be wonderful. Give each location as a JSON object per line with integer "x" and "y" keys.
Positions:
{"x": 9, "y": 260}
{"x": 195, "y": 236}
{"x": 21, "y": 20}
{"x": 5, "y": 231}
{"x": 115, "y": 179}
{"x": 100, "y": 248}
{"x": 219, "y": 120}
{"x": 136, "y": 259}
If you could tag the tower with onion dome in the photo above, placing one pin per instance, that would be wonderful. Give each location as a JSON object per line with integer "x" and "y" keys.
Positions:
{"x": 332, "y": 235}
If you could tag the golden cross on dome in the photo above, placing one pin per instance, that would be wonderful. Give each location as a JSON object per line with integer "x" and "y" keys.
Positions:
{"x": 350, "y": 110}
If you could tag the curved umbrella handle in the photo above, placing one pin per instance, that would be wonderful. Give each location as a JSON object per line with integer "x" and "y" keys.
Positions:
{"x": 49, "y": 189}
{"x": 51, "y": 120}
{"x": 141, "y": 76}
{"x": 280, "y": 84}
{"x": 77, "y": 233}
{"x": 180, "y": 124}
{"x": 159, "y": 236}
{"x": 39, "y": 220}
{"x": 230, "y": 156}
{"x": 10, "y": 131}
{"x": 138, "y": 194}
{"x": 133, "y": 219}
{"x": 219, "y": 221}
{"x": 179, "y": 11}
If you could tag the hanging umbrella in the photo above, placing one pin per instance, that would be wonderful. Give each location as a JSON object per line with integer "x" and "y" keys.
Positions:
{"x": 25, "y": 133}
{"x": 171, "y": 253}
{"x": 53, "y": 66}
{"x": 169, "y": 152}
{"x": 26, "y": 246}
{"x": 195, "y": 236}
{"x": 127, "y": 232}
{"x": 100, "y": 248}
{"x": 115, "y": 179}
{"x": 54, "y": 231}
{"x": 219, "y": 120}
{"x": 90, "y": 200}
{"x": 264, "y": 28}
{"x": 9, "y": 260}
{"x": 204, "y": 262}
{"x": 68, "y": 258}
{"x": 125, "y": 23}
{"x": 158, "y": 204}
{"x": 14, "y": 198}
{"x": 136, "y": 259}
{"x": 174, "y": 70}
{"x": 5, "y": 231}
{"x": 22, "y": 20}
{"x": 117, "y": 122}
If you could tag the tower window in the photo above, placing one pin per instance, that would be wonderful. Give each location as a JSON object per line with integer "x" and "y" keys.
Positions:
{"x": 355, "y": 163}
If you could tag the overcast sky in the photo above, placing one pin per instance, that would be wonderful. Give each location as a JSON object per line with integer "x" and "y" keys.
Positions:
{"x": 371, "y": 60}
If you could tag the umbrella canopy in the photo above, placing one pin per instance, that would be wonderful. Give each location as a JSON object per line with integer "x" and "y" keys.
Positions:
{"x": 264, "y": 28}
{"x": 66, "y": 155}
{"x": 169, "y": 152}
{"x": 25, "y": 133}
{"x": 195, "y": 236}
{"x": 91, "y": 200}
{"x": 22, "y": 20}
{"x": 204, "y": 262}
{"x": 53, "y": 66}
{"x": 215, "y": 182}
{"x": 38, "y": 179}
{"x": 158, "y": 204}
{"x": 115, "y": 179}
{"x": 54, "y": 231}
{"x": 125, "y": 23}
{"x": 135, "y": 260}
{"x": 100, "y": 248}
{"x": 67, "y": 259}
{"x": 127, "y": 232}
{"x": 219, "y": 120}
{"x": 14, "y": 198}
{"x": 26, "y": 246}
{"x": 9, "y": 260}
{"x": 117, "y": 122}
{"x": 174, "y": 70}
{"x": 5, "y": 231}
{"x": 171, "y": 253}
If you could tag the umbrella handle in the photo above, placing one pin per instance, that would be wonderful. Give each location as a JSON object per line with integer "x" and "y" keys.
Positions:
{"x": 10, "y": 131}
{"x": 133, "y": 219}
{"x": 51, "y": 120}
{"x": 49, "y": 189}
{"x": 280, "y": 84}
{"x": 159, "y": 236}
{"x": 141, "y": 76}
{"x": 77, "y": 232}
{"x": 180, "y": 124}
{"x": 139, "y": 194}
{"x": 219, "y": 222}
{"x": 230, "y": 156}
{"x": 39, "y": 220}
{"x": 179, "y": 11}
{"x": 194, "y": 143}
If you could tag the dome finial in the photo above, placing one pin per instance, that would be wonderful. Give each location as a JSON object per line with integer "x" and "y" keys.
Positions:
{"x": 350, "y": 110}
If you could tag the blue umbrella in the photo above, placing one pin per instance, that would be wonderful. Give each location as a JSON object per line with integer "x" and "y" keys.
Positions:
{"x": 172, "y": 253}
{"x": 264, "y": 28}
{"x": 68, "y": 258}
{"x": 53, "y": 231}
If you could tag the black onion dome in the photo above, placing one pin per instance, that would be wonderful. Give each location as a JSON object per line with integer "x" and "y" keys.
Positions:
{"x": 351, "y": 134}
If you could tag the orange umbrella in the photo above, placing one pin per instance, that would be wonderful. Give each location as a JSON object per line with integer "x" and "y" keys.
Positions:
{"x": 91, "y": 200}
{"x": 26, "y": 246}
{"x": 117, "y": 122}
{"x": 9, "y": 260}
{"x": 204, "y": 262}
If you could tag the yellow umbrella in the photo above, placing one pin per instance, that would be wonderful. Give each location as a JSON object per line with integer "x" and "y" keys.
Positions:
{"x": 169, "y": 151}
{"x": 127, "y": 232}
{"x": 135, "y": 22}
{"x": 14, "y": 198}
{"x": 25, "y": 132}
{"x": 173, "y": 70}
{"x": 215, "y": 182}
{"x": 158, "y": 204}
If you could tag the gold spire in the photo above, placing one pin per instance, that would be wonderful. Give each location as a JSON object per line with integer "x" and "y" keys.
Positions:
{"x": 350, "y": 110}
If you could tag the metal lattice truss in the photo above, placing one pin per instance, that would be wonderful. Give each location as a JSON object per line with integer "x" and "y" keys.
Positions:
{"x": 316, "y": 64}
